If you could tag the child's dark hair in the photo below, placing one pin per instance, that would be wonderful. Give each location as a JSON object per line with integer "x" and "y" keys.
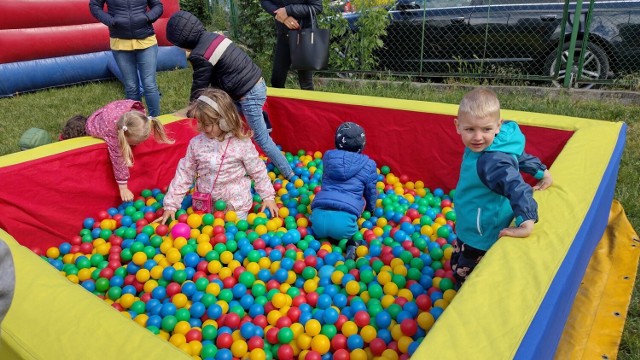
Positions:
{"x": 75, "y": 127}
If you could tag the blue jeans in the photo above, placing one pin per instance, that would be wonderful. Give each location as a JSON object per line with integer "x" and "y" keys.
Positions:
{"x": 251, "y": 107}
{"x": 333, "y": 224}
{"x": 145, "y": 62}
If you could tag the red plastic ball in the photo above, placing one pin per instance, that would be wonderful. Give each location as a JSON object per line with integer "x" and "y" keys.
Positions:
{"x": 313, "y": 355}
{"x": 183, "y": 218}
{"x": 162, "y": 230}
{"x": 272, "y": 335}
{"x": 342, "y": 354}
{"x": 424, "y": 302}
{"x": 338, "y": 342}
{"x": 409, "y": 327}
{"x": 312, "y": 299}
{"x": 283, "y": 322}
{"x": 232, "y": 320}
{"x": 311, "y": 261}
{"x": 285, "y": 352}
{"x": 193, "y": 334}
{"x": 255, "y": 342}
{"x": 261, "y": 321}
{"x": 224, "y": 341}
{"x": 362, "y": 318}
{"x": 377, "y": 346}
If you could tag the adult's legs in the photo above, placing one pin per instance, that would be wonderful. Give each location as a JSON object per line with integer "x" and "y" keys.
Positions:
{"x": 126, "y": 61}
{"x": 147, "y": 60}
{"x": 281, "y": 61}
{"x": 305, "y": 79}
{"x": 251, "y": 106}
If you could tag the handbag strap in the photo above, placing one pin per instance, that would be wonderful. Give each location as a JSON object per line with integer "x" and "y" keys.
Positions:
{"x": 219, "y": 168}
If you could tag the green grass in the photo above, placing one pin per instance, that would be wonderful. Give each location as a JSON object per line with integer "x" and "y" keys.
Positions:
{"x": 49, "y": 110}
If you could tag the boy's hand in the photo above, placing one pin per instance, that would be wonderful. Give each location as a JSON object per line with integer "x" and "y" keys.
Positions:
{"x": 271, "y": 205}
{"x": 545, "y": 182}
{"x": 125, "y": 193}
{"x": 521, "y": 231}
{"x": 167, "y": 214}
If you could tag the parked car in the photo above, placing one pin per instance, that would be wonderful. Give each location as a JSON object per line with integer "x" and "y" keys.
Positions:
{"x": 443, "y": 36}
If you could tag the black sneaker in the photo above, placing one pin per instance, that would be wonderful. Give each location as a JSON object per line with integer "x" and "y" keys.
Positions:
{"x": 265, "y": 116}
{"x": 350, "y": 254}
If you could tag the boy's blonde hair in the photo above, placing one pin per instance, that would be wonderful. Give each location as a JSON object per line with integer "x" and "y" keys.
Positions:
{"x": 204, "y": 113}
{"x": 136, "y": 126}
{"x": 480, "y": 103}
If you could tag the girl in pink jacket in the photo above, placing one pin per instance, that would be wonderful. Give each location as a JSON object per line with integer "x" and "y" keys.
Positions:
{"x": 121, "y": 124}
{"x": 219, "y": 160}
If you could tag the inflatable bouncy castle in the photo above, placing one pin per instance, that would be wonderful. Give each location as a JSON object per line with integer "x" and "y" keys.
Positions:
{"x": 551, "y": 294}
{"x": 48, "y": 43}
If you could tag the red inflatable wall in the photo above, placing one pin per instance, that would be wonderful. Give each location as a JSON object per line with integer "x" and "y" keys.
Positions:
{"x": 40, "y": 29}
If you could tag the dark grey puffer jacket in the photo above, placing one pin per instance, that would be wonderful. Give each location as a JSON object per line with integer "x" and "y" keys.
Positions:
{"x": 127, "y": 19}
{"x": 216, "y": 60}
{"x": 7, "y": 279}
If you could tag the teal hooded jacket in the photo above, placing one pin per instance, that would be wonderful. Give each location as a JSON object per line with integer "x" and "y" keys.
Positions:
{"x": 491, "y": 191}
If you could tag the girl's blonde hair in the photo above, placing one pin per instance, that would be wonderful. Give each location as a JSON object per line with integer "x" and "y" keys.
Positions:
{"x": 204, "y": 113}
{"x": 480, "y": 103}
{"x": 136, "y": 127}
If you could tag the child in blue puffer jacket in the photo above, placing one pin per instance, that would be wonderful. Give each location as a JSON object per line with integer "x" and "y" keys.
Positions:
{"x": 348, "y": 188}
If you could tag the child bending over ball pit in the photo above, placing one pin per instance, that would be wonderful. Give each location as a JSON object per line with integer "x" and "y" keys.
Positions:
{"x": 491, "y": 191}
{"x": 348, "y": 187}
{"x": 121, "y": 124}
{"x": 218, "y": 62}
{"x": 219, "y": 159}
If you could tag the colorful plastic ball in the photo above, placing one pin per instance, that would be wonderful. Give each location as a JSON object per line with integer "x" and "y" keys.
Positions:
{"x": 181, "y": 230}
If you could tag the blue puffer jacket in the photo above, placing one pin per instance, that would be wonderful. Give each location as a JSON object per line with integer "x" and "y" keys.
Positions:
{"x": 349, "y": 180}
{"x": 491, "y": 192}
{"x": 127, "y": 19}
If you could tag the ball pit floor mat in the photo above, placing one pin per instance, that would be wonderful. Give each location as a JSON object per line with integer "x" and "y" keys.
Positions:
{"x": 522, "y": 286}
{"x": 595, "y": 324}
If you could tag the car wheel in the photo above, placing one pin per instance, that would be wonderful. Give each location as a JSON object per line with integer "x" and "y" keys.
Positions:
{"x": 595, "y": 67}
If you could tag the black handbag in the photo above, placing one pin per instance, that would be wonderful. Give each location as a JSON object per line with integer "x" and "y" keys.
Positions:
{"x": 309, "y": 47}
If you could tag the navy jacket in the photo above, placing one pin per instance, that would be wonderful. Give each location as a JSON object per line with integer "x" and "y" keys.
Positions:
{"x": 348, "y": 181}
{"x": 299, "y": 9}
{"x": 491, "y": 192}
{"x": 127, "y": 19}
{"x": 216, "y": 60}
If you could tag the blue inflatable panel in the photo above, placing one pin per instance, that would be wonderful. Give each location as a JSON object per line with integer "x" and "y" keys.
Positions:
{"x": 25, "y": 76}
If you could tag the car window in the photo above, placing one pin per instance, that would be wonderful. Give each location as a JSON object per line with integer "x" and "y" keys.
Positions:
{"x": 447, "y": 3}
{"x": 515, "y": 2}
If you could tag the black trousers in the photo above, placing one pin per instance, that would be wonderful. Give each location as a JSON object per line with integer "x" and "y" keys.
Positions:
{"x": 282, "y": 63}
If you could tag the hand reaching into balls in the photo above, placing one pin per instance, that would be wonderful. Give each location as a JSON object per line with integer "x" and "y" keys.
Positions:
{"x": 166, "y": 215}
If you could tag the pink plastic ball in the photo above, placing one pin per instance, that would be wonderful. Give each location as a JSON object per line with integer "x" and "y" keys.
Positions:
{"x": 181, "y": 230}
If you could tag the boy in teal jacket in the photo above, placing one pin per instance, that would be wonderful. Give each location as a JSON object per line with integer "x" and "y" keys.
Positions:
{"x": 491, "y": 192}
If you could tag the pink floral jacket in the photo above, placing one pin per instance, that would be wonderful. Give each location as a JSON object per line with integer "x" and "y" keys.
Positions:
{"x": 102, "y": 124}
{"x": 232, "y": 184}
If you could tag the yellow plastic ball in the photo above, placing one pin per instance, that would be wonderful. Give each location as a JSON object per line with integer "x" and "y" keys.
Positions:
{"x": 179, "y": 300}
{"x": 426, "y": 320}
{"x": 353, "y": 287}
{"x": 239, "y": 348}
{"x": 53, "y": 252}
{"x": 321, "y": 344}
{"x": 194, "y": 221}
{"x": 182, "y": 327}
{"x": 313, "y": 327}
{"x": 173, "y": 255}
{"x": 231, "y": 216}
{"x": 349, "y": 328}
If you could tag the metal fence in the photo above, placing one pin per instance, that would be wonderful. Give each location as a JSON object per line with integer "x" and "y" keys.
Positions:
{"x": 569, "y": 43}
{"x": 598, "y": 41}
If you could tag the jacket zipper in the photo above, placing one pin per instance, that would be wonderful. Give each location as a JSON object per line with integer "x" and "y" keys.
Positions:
{"x": 478, "y": 227}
